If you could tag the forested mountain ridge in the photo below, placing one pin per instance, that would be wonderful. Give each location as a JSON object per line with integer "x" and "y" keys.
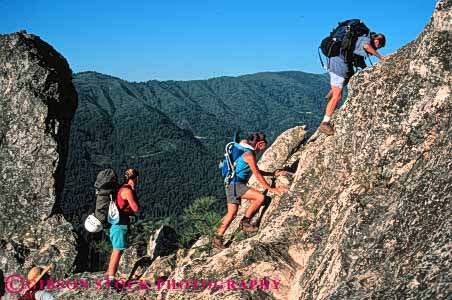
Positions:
{"x": 271, "y": 101}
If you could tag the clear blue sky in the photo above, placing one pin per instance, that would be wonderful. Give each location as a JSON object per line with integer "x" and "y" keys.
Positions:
{"x": 190, "y": 39}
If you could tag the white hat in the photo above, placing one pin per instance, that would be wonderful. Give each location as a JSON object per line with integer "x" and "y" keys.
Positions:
{"x": 92, "y": 224}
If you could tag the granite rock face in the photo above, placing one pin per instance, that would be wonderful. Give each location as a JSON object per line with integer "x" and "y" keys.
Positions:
{"x": 37, "y": 102}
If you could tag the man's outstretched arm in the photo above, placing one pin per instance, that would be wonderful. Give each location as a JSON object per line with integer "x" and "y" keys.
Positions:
{"x": 371, "y": 50}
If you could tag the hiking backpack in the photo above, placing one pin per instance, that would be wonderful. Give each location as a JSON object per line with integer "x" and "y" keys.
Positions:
{"x": 232, "y": 152}
{"x": 343, "y": 40}
{"x": 106, "y": 189}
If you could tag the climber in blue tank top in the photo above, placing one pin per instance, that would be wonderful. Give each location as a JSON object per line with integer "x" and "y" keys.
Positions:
{"x": 244, "y": 167}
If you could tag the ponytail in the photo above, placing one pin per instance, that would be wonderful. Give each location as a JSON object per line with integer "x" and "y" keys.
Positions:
{"x": 130, "y": 174}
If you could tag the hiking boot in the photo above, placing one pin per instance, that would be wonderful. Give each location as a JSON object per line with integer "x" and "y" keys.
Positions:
{"x": 247, "y": 227}
{"x": 108, "y": 283}
{"x": 112, "y": 284}
{"x": 117, "y": 285}
{"x": 326, "y": 128}
{"x": 217, "y": 242}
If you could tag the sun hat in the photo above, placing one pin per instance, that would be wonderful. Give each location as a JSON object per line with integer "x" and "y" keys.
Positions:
{"x": 35, "y": 274}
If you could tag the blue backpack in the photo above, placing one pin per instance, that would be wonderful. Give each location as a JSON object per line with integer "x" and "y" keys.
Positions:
{"x": 232, "y": 152}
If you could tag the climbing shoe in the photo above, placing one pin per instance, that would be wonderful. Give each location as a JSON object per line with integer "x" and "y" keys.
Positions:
{"x": 246, "y": 225}
{"x": 112, "y": 284}
{"x": 326, "y": 128}
{"x": 217, "y": 242}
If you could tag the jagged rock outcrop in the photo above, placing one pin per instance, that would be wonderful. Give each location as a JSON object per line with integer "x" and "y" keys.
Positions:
{"x": 163, "y": 242}
{"x": 368, "y": 211}
{"x": 37, "y": 102}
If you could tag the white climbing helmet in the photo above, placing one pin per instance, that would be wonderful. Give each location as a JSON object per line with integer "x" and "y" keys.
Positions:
{"x": 92, "y": 224}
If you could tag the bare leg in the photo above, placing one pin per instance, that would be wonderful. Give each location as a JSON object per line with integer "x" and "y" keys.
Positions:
{"x": 256, "y": 198}
{"x": 114, "y": 262}
{"x": 336, "y": 95}
{"x": 227, "y": 219}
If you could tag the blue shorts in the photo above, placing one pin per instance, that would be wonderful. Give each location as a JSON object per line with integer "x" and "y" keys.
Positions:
{"x": 118, "y": 237}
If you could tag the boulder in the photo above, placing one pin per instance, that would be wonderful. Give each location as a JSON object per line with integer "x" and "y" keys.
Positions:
{"x": 37, "y": 103}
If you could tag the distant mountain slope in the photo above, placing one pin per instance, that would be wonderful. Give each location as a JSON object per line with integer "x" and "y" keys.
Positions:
{"x": 271, "y": 102}
{"x": 173, "y": 131}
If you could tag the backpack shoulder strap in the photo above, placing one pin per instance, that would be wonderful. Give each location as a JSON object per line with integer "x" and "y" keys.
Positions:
{"x": 244, "y": 151}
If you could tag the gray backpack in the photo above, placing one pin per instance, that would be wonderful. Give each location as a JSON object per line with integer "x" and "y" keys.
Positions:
{"x": 106, "y": 189}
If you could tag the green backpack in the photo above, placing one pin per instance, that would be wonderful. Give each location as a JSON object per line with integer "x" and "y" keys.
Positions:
{"x": 106, "y": 189}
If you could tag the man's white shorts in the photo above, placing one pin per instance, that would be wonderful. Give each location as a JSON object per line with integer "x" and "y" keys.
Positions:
{"x": 336, "y": 80}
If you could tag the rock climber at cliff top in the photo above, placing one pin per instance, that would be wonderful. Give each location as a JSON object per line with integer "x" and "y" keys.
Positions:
{"x": 347, "y": 47}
